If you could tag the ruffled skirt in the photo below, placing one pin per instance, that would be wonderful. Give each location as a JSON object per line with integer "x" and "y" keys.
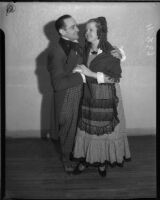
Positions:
{"x": 98, "y": 149}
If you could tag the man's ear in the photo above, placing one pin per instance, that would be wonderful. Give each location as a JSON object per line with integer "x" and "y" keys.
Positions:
{"x": 62, "y": 32}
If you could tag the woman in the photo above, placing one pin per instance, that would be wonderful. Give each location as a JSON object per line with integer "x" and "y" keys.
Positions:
{"x": 100, "y": 138}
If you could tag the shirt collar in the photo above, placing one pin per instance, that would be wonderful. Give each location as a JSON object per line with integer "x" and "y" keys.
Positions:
{"x": 76, "y": 41}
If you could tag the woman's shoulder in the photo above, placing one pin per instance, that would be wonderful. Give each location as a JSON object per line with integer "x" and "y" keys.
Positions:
{"x": 109, "y": 46}
{"x": 108, "y": 52}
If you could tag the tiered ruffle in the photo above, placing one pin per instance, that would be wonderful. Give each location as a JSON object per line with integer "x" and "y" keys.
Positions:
{"x": 112, "y": 148}
{"x": 99, "y": 149}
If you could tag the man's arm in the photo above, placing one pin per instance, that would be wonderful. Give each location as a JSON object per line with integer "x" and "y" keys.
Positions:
{"x": 119, "y": 53}
{"x": 60, "y": 79}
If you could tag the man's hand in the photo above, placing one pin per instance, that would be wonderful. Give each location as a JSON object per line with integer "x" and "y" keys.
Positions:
{"x": 86, "y": 71}
{"x": 77, "y": 69}
{"x": 116, "y": 53}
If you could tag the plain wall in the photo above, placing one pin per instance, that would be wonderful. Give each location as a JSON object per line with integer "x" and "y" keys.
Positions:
{"x": 132, "y": 26}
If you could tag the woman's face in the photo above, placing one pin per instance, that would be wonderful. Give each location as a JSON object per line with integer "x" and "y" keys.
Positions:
{"x": 91, "y": 32}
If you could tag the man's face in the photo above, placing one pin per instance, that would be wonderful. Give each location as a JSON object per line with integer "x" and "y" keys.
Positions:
{"x": 70, "y": 30}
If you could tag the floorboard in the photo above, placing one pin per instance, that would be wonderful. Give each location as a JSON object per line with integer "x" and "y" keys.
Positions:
{"x": 34, "y": 171}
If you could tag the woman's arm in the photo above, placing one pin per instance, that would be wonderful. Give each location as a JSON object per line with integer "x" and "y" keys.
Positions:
{"x": 99, "y": 76}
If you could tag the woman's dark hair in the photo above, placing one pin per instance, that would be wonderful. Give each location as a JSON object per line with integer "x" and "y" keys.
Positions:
{"x": 59, "y": 23}
{"x": 102, "y": 31}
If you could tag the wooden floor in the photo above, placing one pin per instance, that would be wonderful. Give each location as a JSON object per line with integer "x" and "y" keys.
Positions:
{"x": 34, "y": 171}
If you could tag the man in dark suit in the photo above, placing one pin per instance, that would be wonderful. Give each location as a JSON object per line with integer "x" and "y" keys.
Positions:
{"x": 63, "y": 58}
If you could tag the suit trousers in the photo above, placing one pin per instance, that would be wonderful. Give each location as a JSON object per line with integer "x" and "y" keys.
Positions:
{"x": 68, "y": 122}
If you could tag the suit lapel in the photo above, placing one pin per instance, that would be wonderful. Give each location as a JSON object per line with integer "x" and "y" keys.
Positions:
{"x": 71, "y": 60}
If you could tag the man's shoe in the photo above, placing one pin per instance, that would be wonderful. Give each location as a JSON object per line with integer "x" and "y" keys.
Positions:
{"x": 68, "y": 168}
{"x": 79, "y": 169}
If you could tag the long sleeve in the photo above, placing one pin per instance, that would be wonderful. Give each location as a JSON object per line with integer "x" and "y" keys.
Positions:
{"x": 60, "y": 78}
{"x": 109, "y": 67}
{"x": 114, "y": 69}
{"x": 100, "y": 77}
{"x": 66, "y": 81}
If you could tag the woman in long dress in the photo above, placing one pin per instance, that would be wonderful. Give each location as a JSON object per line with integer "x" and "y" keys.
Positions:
{"x": 100, "y": 137}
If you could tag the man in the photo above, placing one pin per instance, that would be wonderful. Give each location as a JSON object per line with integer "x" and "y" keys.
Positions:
{"x": 63, "y": 58}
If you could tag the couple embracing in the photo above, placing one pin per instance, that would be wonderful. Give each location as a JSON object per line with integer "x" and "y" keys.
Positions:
{"x": 89, "y": 111}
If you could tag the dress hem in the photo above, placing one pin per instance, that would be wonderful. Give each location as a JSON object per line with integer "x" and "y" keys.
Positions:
{"x": 106, "y": 162}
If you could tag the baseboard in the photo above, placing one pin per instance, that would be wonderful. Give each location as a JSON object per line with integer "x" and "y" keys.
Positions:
{"x": 23, "y": 134}
{"x": 140, "y": 131}
{"x": 37, "y": 133}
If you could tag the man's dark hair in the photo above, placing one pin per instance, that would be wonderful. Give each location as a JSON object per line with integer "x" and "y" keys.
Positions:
{"x": 60, "y": 22}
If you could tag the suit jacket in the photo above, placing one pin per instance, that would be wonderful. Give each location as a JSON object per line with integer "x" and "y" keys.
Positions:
{"x": 60, "y": 66}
